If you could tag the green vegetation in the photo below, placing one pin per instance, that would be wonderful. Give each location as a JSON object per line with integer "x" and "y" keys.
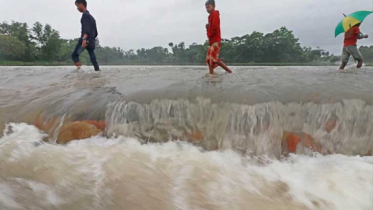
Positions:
{"x": 42, "y": 45}
{"x": 367, "y": 53}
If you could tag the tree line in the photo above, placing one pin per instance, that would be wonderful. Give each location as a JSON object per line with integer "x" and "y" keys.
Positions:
{"x": 367, "y": 53}
{"x": 42, "y": 43}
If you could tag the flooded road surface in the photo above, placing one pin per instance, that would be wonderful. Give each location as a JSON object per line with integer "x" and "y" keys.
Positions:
{"x": 170, "y": 138}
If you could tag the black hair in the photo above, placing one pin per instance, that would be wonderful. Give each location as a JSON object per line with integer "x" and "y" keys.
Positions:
{"x": 210, "y": 2}
{"x": 84, "y": 2}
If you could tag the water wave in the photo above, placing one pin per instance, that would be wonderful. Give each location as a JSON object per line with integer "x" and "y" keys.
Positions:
{"x": 343, "y": 128}
{"x": 122, "y": 173}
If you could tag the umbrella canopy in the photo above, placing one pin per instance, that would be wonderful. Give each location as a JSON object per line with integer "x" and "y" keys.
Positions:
{"x": 350, "y": 21}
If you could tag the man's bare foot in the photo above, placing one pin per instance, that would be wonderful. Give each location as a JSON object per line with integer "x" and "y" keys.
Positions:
{"x": 359, "y": 64}
{"x": 78, "y": 65}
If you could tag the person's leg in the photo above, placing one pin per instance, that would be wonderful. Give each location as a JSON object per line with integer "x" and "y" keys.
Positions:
{"x": 216, "y": 54}
{"x": 360, "y": 63}
{"x": 343, "y": 65}
{"x": 211, "y": 68}
{"x": 345, "y": 58}
{"x": 357, "y": 56}
{"x": 76, "y": 53}
{"x": 93, "y": 58}
{"x": 225, "y": 67}
{"x": 209, "y": 61}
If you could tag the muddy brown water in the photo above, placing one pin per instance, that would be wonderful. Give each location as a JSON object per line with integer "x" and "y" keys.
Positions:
{"x": 234, "y": 125}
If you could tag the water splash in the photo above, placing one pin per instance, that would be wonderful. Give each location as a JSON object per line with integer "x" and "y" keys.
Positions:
{"x": 343, "y": 128}
{"x": 122, "y": 173}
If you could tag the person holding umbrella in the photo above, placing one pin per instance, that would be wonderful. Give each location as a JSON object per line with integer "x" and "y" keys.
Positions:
{"x": 350, "y": 25}
{"x": 350, "y": 46}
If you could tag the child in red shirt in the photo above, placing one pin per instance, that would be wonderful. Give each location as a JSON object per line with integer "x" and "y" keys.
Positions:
{"x": 214, "y": 35}
{"x": 350, "y": 46}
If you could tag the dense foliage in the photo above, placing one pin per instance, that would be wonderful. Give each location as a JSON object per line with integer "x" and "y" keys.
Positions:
{"x": 367, "y": 53}
{"x": 41, "y": 43}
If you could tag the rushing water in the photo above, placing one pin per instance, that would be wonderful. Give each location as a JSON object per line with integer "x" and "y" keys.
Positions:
{"x": 175, "y": 140}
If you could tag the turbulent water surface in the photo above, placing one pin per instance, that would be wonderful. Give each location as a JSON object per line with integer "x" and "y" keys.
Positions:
{"x": 176, "y": 140}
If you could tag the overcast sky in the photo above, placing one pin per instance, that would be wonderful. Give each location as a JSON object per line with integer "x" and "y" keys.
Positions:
{"x": 133, "y": 24}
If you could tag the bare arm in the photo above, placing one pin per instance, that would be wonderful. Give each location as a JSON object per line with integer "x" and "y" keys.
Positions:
{"x": 362, "y": 36}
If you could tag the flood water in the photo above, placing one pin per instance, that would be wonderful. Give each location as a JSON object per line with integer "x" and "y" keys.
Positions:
{"x": 176, "y": 140}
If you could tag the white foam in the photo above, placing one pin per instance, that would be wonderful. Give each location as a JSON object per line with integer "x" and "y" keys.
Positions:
{"x": 256, "y": 129}
{"x": 7, "y": 197}
{"x": 101, "y": 173}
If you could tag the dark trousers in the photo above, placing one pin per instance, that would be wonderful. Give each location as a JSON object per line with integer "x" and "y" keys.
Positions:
{"x": 91, "y": 51}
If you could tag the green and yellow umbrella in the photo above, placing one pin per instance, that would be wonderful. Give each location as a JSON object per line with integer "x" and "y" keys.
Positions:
{"x": 350, "y": 21}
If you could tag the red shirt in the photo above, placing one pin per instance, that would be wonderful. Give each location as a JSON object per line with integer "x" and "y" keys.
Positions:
{"x": 351, "y": 36}
{"x": 213, "y": 31}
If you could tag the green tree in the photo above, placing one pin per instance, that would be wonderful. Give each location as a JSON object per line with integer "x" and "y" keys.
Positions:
{"x": 367, "y": 53}
{"x": 21, "y": 32}
{"x": 48, "y": 42}
{"x": 281, "y": 46}
{"x": 43, "y": 43}
{"x": 107, "y": 55}
{"x": 11, "y": 48}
